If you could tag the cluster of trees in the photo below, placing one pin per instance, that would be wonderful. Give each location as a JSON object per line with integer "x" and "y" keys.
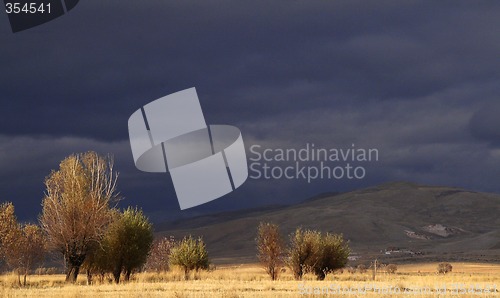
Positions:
{"x": 81, "y": 221}
{"x": 123, "y": 248}
{"x": 188, "y": 254}
{"x": 308, "y": 251}
{"x": 22, "y": 246}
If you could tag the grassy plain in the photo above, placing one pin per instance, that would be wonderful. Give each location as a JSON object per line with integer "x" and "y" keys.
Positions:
{"x": 412, "y": 280}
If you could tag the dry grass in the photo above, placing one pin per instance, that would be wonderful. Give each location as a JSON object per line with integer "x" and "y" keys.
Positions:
{"x": 251, "y": 281}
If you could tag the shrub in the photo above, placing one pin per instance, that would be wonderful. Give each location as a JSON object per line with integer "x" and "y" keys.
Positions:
{"x": 444, "y": 268}
{"x": 391, "y": 268}
{"x": 361, "y": 268}
{"x": 132, "y": 241}
{"x": 311, "y": 251}
{"x": 190, "y": 254}
{"x": 333, "y": 254}
{"x": 51, "y": 271}
{"x": 303, "y": 251}
{"x": 270, "y": 248}
{"x": 125, "y": 246}
{"x": 159, "y": 255}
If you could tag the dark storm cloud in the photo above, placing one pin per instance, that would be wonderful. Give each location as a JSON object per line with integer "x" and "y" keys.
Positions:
{"x": 418, "y": 80}
{"x": 485, "y": 124}
{"x": 85, "y": 73}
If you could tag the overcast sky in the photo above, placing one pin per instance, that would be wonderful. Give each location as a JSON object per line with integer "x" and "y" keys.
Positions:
{"x": 417, "y": 80}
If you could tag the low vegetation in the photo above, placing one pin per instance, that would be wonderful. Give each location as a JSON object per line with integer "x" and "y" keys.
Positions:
{"x": 444, "y": 268}
{"x": 159, "y": 256}
{"x": 190, "y": 254}
{"x": 312, "y": 251}
{"x": 81, "y": 222}
{"x": 251, "y": 281}
{"x": 391, "y": 268}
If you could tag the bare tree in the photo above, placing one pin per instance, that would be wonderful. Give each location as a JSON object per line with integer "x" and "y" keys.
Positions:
{"x": 76, "y": 207}
{"x": 159, "y": 256}
{"x": 271, "y": 247}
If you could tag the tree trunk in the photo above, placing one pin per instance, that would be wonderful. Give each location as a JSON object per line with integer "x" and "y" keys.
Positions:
{"x": 72, "y": 273}
{"x": 116, "y": 274}
{"x": 24, "y": 281}
{"x": 272, "y": 272}
{"x": 320, "y": 274}
{"x": 128, "y": 272}
{"x": 89, "y": 276}
{"x": 73, "y": 263}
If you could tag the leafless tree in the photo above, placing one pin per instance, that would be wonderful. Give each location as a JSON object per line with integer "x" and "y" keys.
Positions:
{"x": 159, "y": 256}
{"x": 270, "y": 246}
{"x": 76, "y": 207}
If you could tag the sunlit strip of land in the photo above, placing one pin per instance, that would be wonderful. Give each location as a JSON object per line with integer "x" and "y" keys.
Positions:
{"x": 251, "y": 281}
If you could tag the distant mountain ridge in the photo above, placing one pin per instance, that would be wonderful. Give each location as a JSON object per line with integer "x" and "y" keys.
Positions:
{"x": 394, "y": 220}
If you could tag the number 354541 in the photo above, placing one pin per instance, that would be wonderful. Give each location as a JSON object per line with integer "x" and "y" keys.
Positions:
{"x": 18, "y": 8}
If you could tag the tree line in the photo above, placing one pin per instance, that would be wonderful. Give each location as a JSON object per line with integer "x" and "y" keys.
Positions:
{"x": 80, "y": 220}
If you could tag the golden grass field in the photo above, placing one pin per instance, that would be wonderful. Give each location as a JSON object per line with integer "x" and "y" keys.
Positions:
{"x": 416, "y": 280}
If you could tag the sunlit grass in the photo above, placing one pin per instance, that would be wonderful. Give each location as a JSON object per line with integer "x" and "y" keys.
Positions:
{"x": 251, "y": 281}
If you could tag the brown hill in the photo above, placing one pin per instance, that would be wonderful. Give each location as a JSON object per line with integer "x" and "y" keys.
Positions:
{"x": 401, "y": 221}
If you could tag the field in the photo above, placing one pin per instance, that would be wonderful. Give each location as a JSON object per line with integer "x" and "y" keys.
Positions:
{"x": 415, "y": 280}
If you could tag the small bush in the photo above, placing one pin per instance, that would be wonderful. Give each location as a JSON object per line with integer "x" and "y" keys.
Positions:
{"x": 52, "y": 271}
{"x": 159, "y": 256}
{"x": 391, "y": 268}
{"x": 444, "y": 268}
{"x": 361, "y": 268}
{"x": 190, "y": 254}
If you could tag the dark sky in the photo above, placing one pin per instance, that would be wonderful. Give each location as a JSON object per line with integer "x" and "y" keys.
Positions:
{"x": 418, "y": 80}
